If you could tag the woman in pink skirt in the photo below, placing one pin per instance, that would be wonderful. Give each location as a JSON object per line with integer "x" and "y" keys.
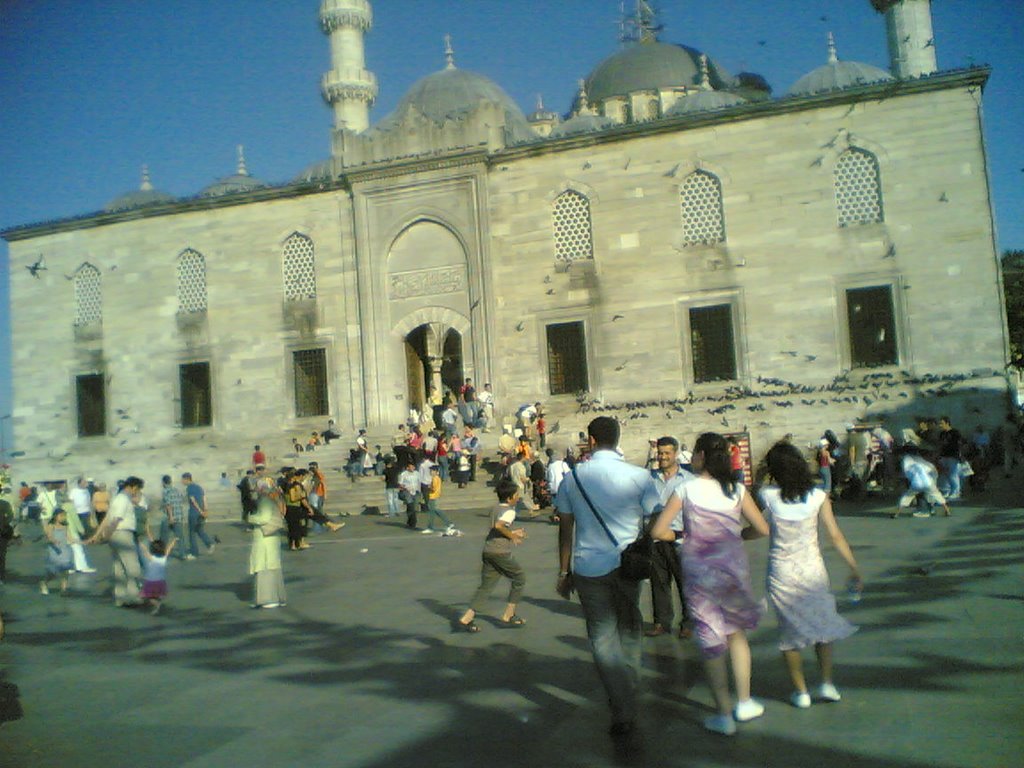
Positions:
{"x": 716, "y": 573}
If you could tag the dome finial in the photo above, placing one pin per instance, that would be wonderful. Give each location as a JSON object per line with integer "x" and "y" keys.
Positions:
{"x": 242, "y": 170}
{"x": 449, "y": 52}
{"x": 146, "y": 185}
{"x": 540, "y": 103}
{"x": 705, "y": 76}
{"x": 832, "y": 57}
{"x": 582, "y": 102}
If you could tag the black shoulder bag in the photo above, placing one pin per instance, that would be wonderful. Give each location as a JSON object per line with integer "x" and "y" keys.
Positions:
{"x": 635, "y": 560}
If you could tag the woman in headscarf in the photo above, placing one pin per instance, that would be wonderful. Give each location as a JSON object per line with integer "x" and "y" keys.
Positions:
{"x": 265, "y": 556}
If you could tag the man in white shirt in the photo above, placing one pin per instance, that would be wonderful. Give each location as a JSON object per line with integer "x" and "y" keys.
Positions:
{"x": 409, "y": 492}
{"x": 665, "y": 566}
{"x": 610, "y": 602}
{"x": 486, "y": 413}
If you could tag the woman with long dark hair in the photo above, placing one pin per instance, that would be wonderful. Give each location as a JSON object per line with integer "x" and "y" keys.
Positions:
{"x": 798, "y": 585}
{"x": 716, "y": 572}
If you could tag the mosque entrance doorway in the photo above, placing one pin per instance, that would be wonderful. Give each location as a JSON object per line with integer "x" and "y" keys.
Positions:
{"x": 433, "y": 357}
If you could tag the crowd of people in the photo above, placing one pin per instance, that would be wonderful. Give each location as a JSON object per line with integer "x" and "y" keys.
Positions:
{"x": 697, "y": 507}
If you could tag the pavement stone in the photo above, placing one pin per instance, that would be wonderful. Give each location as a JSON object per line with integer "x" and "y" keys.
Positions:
{"x": 362, "y": 668}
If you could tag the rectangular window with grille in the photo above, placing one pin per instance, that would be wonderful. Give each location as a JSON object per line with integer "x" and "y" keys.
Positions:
{"x": 310, "y": 367}
{"x": 871, "y": 320}
{"x": 196, "y": 395}
{"x": 567, "y": 358}
{"x": 712, "y": 343}
{"x": 92, "y": 405}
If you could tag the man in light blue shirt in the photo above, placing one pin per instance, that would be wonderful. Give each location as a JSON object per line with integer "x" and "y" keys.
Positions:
{"x": 665, "y": 565}
{"x": 610, "y": 602}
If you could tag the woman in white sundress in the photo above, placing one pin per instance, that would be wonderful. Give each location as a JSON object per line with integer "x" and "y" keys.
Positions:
{"x": 798, "y": 584}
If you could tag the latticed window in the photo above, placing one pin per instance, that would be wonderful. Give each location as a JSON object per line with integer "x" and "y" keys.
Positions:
{"x": 574, "y": 237}
{"x": 298, "y": 265}
{"x": 88, "y": 296}
{"x": 703, "y": 214}
{"x": 310, "y": 366}
{"x": 191, "y": 282}
{"x": 858, "y": 188}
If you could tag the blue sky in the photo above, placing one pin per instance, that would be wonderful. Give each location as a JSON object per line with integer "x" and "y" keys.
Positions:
{"x": 93, "y": 89}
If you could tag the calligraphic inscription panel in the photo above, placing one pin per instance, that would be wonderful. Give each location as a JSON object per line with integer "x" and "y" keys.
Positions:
{"x": 427, "y": 282}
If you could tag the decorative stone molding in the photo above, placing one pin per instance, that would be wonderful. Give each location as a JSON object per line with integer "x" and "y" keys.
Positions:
{"x": 427, "y": 315}
{"x": 427, "y": 282}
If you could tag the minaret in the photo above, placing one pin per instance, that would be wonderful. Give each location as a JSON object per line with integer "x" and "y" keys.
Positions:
{"x": 348, "y": 87}
{"x": 908, "y": 25}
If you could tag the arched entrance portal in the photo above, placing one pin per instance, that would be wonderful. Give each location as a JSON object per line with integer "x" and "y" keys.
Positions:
{"x": 433, "y": 357}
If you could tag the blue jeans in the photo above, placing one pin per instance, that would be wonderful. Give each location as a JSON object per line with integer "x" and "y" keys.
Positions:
{"x": 826, "y": 478}
{"x": 434, "y": 511}
{"x": 197, "y": 527}
{"x": 611, "y": 606}
{"x": 394, "y": 503}
{"x": 951, "y": 470}
{"x": 178, "y": 529}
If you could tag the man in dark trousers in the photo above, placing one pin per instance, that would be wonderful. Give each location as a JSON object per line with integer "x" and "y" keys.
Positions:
{"x": 665, "y": 566}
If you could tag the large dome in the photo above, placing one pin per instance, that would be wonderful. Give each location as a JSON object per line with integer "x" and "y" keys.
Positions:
{"x": 650, "y": 66}
{"x": 452, "y": 93}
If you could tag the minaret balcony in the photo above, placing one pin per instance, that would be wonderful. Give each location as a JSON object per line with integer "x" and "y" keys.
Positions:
{"x": 349, "y": 83}
{"x": 336, "y": 14}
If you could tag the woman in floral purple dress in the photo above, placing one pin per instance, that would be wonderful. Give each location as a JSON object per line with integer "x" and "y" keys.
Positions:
{"x": 798, "y": 585}
{"x": 716, "y": 573}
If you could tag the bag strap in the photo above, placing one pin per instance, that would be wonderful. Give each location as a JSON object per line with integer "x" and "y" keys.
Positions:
{"x": 593, "y": 509}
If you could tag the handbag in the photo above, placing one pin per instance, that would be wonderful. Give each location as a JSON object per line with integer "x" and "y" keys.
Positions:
{"x": 635, "y": 560}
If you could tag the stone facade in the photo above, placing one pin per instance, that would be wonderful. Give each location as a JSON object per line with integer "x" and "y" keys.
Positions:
{"x": 445, "y": 264}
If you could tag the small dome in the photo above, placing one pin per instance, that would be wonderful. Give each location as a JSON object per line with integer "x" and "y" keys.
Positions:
{"x": 752, "y": 86}
{"x": 837, "y": 75}
{"x": 704, "y": 101}
{"x": 240, "y": 181}
{"x": 316, "y": 172}
{"x": 581, "y": 124}
{"x": 541, "y": 114}
{"x": 139, "y": 198}
{"x": 650, "y": 66}
{"x": 453, "y": 93}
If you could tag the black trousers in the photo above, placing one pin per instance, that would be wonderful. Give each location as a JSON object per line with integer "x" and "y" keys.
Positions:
{"x": 666, "y": 569}
{"x": 295, "y": 517}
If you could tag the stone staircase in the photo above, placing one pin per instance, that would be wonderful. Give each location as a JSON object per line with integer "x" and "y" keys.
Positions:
{"x": 345, "y": 496}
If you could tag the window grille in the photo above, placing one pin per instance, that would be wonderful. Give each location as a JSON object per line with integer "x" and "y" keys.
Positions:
{"x": 191, "y": 282}
{"x": 712, "y": 343}
{"x": 858, "y": 188}
{"x": 871, "y": 319}
{"x": 92, "y": 404}
{"x": 703, "y": 213}
{"x": 574, "y": 237}
{"x": 567, "y": 358}
{"x": 310, "y": 367}
{"x": 299, "y": 271}
{"x": 88, "y": 296}
{"x": 196, "y": 395}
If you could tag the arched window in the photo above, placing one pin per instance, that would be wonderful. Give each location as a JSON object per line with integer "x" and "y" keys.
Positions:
{"x": 88, "y": 296}
{"x": 298, "y": 266}
{"x": 191, "y": 282}
{"x": 858, "y": 188}
{"x": 703, "y": 214}
{"x": 574, "y": 237}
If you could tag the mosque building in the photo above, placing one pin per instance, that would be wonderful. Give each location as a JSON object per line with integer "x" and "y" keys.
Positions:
{"x": 683, "y": 247}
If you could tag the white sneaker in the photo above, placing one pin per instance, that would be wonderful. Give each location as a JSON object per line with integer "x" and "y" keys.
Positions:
{"x": 212, "y": 548}
{"x": 427, "y": 530}
{"x": 87, "y": 570}
{"x": 43, "y": 589}
{"x": 190, "y": 557}
{"x": 827, "y": 692}
{"x": 452, "y": 531}
{"x": 800, "y": 699}
{"x": 722, "y": 724}
{"x": 747, "y": 710}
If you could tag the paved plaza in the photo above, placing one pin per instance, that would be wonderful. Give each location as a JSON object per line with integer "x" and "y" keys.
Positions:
{"x": 362, "y": 668}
